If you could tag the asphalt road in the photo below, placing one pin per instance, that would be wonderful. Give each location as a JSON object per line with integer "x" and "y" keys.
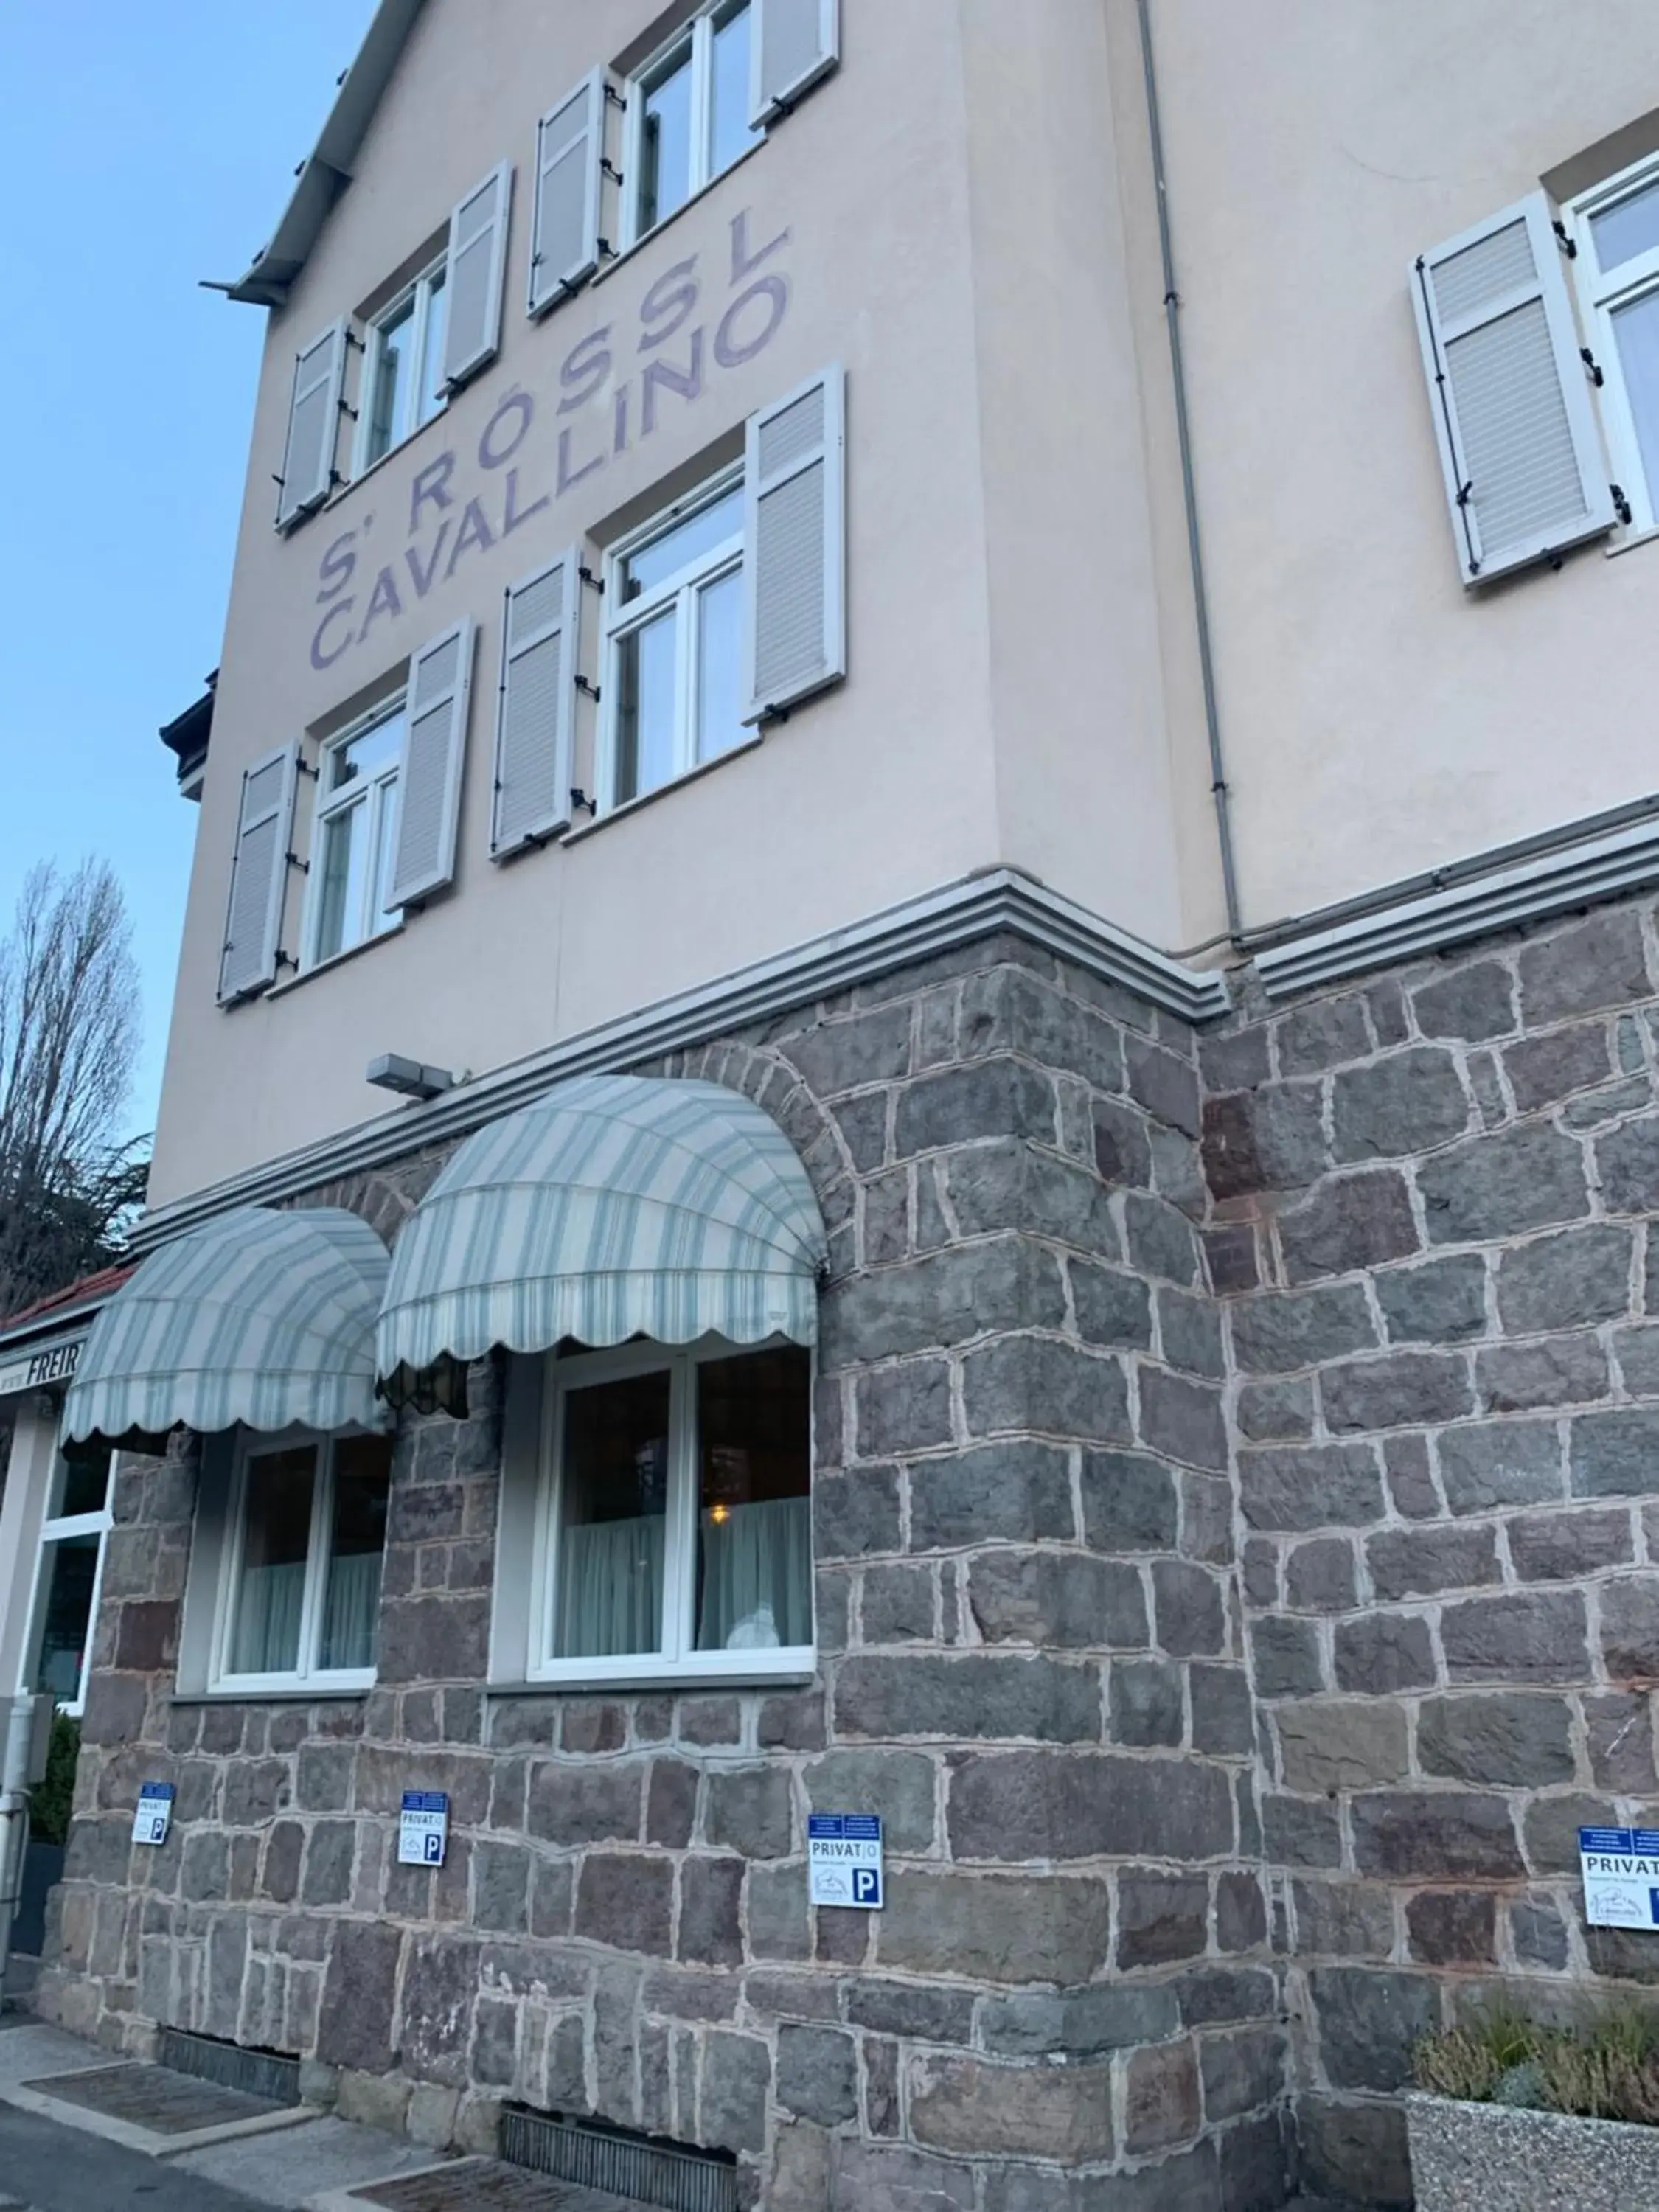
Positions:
{"x": 49, "y": 2168}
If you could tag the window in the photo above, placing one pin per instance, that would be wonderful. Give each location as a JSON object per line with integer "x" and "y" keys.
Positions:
{"x": 1616, "y": 227}
{"x": 403, "y": 382}
{"x": 67, "y": 1580}
{"x": 674, "y": 684}
{"x": 300, "y": 1599}
{"x": 674, "y": 1531}
{"x": 356, "y": 834}
{"x": 688, "y": 114}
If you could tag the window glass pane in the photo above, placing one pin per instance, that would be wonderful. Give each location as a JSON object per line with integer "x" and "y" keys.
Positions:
{"x": 728, "y": 123}
{"x": 612, "y": 1519}
{"x": 68, "y": 1569}
{"x": 386, "y": 802}
{"x": 437, "y": 317}
{"x": 340, "y": 895}
{"x": 666, "y": 146}
{"x": 82, "y": 1484}
{"x": 645, "y": 707}
{"x": 352, "y": 1599}
{"x": 388, "y": 398}
{"x": 276, "y": 1537}
{"x": 1627, "y": 228}
{"x": 1637, "y": 329}
{"x": 719, "y": 639}
{"x": 754, "y": 1510}
{"x": 369, "y": 752}
{"x": 685, "y": 542}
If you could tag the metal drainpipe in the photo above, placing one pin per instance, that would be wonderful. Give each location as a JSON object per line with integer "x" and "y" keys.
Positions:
{"x": 19, "y": 1731}
{"x": 1219, "y": 790}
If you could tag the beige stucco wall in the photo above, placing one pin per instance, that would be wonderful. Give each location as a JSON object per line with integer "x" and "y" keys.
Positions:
{"x": 968, "y": 224}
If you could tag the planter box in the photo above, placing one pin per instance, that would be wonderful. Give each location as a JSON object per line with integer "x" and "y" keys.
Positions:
{"x": 1493, "y": 2158}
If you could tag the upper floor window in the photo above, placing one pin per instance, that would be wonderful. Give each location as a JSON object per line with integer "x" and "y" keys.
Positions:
{"x": 403, "y": 380}
{"x": 689, "y": 115}
{"x": 674, "y": 625}
{"x": 1616, "y": 227}
{"x": 354, "y": 845}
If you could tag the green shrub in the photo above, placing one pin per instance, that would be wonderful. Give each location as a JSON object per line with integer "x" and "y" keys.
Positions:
{"x": 52, "y": 1802}
{"x": 1607, "y": 2069}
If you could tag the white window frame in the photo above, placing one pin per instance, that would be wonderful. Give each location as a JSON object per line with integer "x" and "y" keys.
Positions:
{"x": 680, "y": 589}
{"x": 418, "y": 289}
{"x": 251, "y": 1446}
{"x": 1600, "y": 293}
{"x": 678, "y": 1660}
{"x": 697, "y": 36}
{"x": 373, "y": 792}
{"x": 53, "y": 1530}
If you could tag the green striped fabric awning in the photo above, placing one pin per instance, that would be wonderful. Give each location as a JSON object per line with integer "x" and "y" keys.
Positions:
{"x": 260, "y": 1316}
{"x": 616, "y": 1207}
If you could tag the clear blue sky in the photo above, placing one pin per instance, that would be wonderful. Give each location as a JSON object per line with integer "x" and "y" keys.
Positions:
{"x": 143, "y": 144}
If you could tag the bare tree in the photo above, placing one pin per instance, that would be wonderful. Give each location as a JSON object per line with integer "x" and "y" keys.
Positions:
{"x": 69, "y": 1037}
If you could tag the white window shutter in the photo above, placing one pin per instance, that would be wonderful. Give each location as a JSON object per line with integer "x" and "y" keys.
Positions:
{"x": 1513, "y": 416}
{"x": 434, "y": 754}
{"x": 473, "y": 276}
{"x": 792, "y": 44}
{"x": 259, "y": 875}
{"x": 793, "y": 551}
{"x": 565, "y": 244}
{"x": 314, "y": 424}
{"x": 536, "y": 715}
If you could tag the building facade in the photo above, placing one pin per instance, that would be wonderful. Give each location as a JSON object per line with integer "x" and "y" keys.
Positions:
{"x": 816, "y": 553}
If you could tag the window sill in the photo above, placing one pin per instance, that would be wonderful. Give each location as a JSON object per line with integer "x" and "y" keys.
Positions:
{"x": 647, "y": 238}
{"x": 334, "y": 1693}
{"x": 686, "y": 1682}
{"x": 335, "y": 960}
{"x": 1629, "y": 539}
{"x": 662, "y": 790}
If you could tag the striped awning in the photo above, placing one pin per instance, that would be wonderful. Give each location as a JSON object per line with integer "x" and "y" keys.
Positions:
{"x": 616, "y": 1207}
{"x": 260, "y": 1316}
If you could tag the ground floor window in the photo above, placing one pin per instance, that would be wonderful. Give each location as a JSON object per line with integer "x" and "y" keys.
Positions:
{"x": 64, "y": 1612}
{"x": 674, "y": 1531}
{"x": 299, "y": 1597}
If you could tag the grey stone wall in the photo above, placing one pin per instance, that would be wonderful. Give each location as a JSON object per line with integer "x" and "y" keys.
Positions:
{"x": 1432, "y": 1200}
{"x": 1030, "y": 1633}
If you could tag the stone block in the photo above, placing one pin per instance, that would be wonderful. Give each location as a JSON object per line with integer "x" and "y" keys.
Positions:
{"x": 1564, "y": 1545}
{"x": 1165, "y": 1086}
{"x": 329, "y": 1855}
{"x": 973, "y": 2108}
{"x": 1468, "y": 1006}
{"x": 575, "y": 1802}
{"x": 1084, "y": 2023}
{"x": 1512, "y": 1739}
{"x": 1271, "y": 1412}
{"x": 856, "y": 1513}
{"x": 994, "y": 1927}
{"x": 1188, "y": 1607}
{"x": 1618, "y": 1734}
{"x": 1182, "y": 1420}
{"x": 1147, "y": 1706}
{"x": 1016, "y": 1806}
{"x": 1538, "y": 1934}
{"x": 1319, "y": 1576}
{"x": 1435, "y": 1836}
{"x": 1129, "y": 1502}
{"x": 1328, "y": 1745}
{"x": 1285, "y": 1658}
{"x": 1630, "y": 1628}
{"x": 1409, "y": 1102}
{"x": 1123, "y": 1147}
{"x": 903, "y": 1409}
{"x": 1502, "y": 1185}
{"x": 1550, "y": 1829}
{"x": 1233, "y": 1059}
{"x": 1064, "y": 1600}
{"x": 1558, "y": 1370}
{"x": 942, "y": 1298}
{"x": 1543, "y": 1070}
{"x": 711, "y": 1892}
{"x": 1575, "y": 1277}
{"x": 1014, "y": 1184}
{"x": 1441, "y": 1302}
{"x": 670, "y": 1802}
{"x": 1324, "y": 1035}
{"x": 1616, "y": 1454}
{"x": 1159, "y": 1240}
{"x": 1242, "y": 2072}
{"x": 1598, "y": 962}
{"x": 1189, "y": 1331}
{"x": 1500, "y": 1463}
{"x": 1224, "y": 1717}
{"x": 913, "y": 2010}
{"x": 737, "y": 2078}
{"x": 1421, "y": 1562}
{"x": 1400, "y": 1389}
{"x": 971, "y": 1697}
{"x": 1637, "y": 1353}
{"x": 1310, "y": 1486}
{"x": 1411, "y": 1480}
{"x": 817, "y": 2074}
{"x": 1384, "y": 1653}
{"x": 1206, "y": 1519}
{"x": 778, "y": 1924}
{"x": 1017, "y": 1490}
{"x": 1160, "y": 1917}
{"x": 1278, "y": 1332}
{"x": 1162, "y": 2101}
{"x": 1269, "y": 1139}
{"x": 1230, "y": 1258}
{"x": 1041, "y": 1383}
{"x": 435, "y": 1638}
{"x": 355, "y": 2028}
{"x": 1349, "y": 2150}
{"x": 626, "y": 1901}
{"x": 1534, "y": 1636}
{"x": 1301, "y": 1831}
{"x": 1347, "y": 1919}
{"x": 898, "y": 1784}
{"x": 899, "y": 1605}
{"x": 749, "y": 1810}
{"x": 1452, "y": 1927}
{"x": 1368, "y": 2022}
{"x": 1348, "y": 1221}
{"x": 322, "y": 1777}
{"x": 1627, "y": 1166}
{"x": 993, "y": 1098}
{"x": 1113, "y": 1308}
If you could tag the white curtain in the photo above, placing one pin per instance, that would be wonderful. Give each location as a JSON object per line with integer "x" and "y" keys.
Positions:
{"x": 267, "y": 1632}
{"x": 351, "y": 1612}
{"x": 609, "y": 1594}
{"x": 757, "y": 1576}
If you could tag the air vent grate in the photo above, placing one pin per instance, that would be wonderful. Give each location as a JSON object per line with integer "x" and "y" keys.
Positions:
{"x": 626, "y": 2165}
{"x": 255, "y": 2073}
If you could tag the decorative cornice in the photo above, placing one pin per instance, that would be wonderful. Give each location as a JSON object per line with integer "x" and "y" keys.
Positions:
{"x": 942, "y": 921}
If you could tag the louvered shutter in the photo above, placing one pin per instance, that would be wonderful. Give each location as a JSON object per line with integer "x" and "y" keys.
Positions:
{"x": 564, "y": 246}
{"x": 474, "y": 274}
{"x": 434, "y": 753}
{"x": 792, "y": 44}
{"x": 1513, "y": 416}
{"x": 313, "y": 423}
{"x": 259, "y": 875}
{"x": 536, "y": 712}
{"x": 795, "y": 530}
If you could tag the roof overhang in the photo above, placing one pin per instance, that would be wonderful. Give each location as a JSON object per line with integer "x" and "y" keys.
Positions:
{"x": 187, "y": 738}
{"x": 328, "y": 169}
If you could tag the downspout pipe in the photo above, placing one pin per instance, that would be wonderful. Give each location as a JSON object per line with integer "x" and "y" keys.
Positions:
{"x": 1219, "y": 787}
